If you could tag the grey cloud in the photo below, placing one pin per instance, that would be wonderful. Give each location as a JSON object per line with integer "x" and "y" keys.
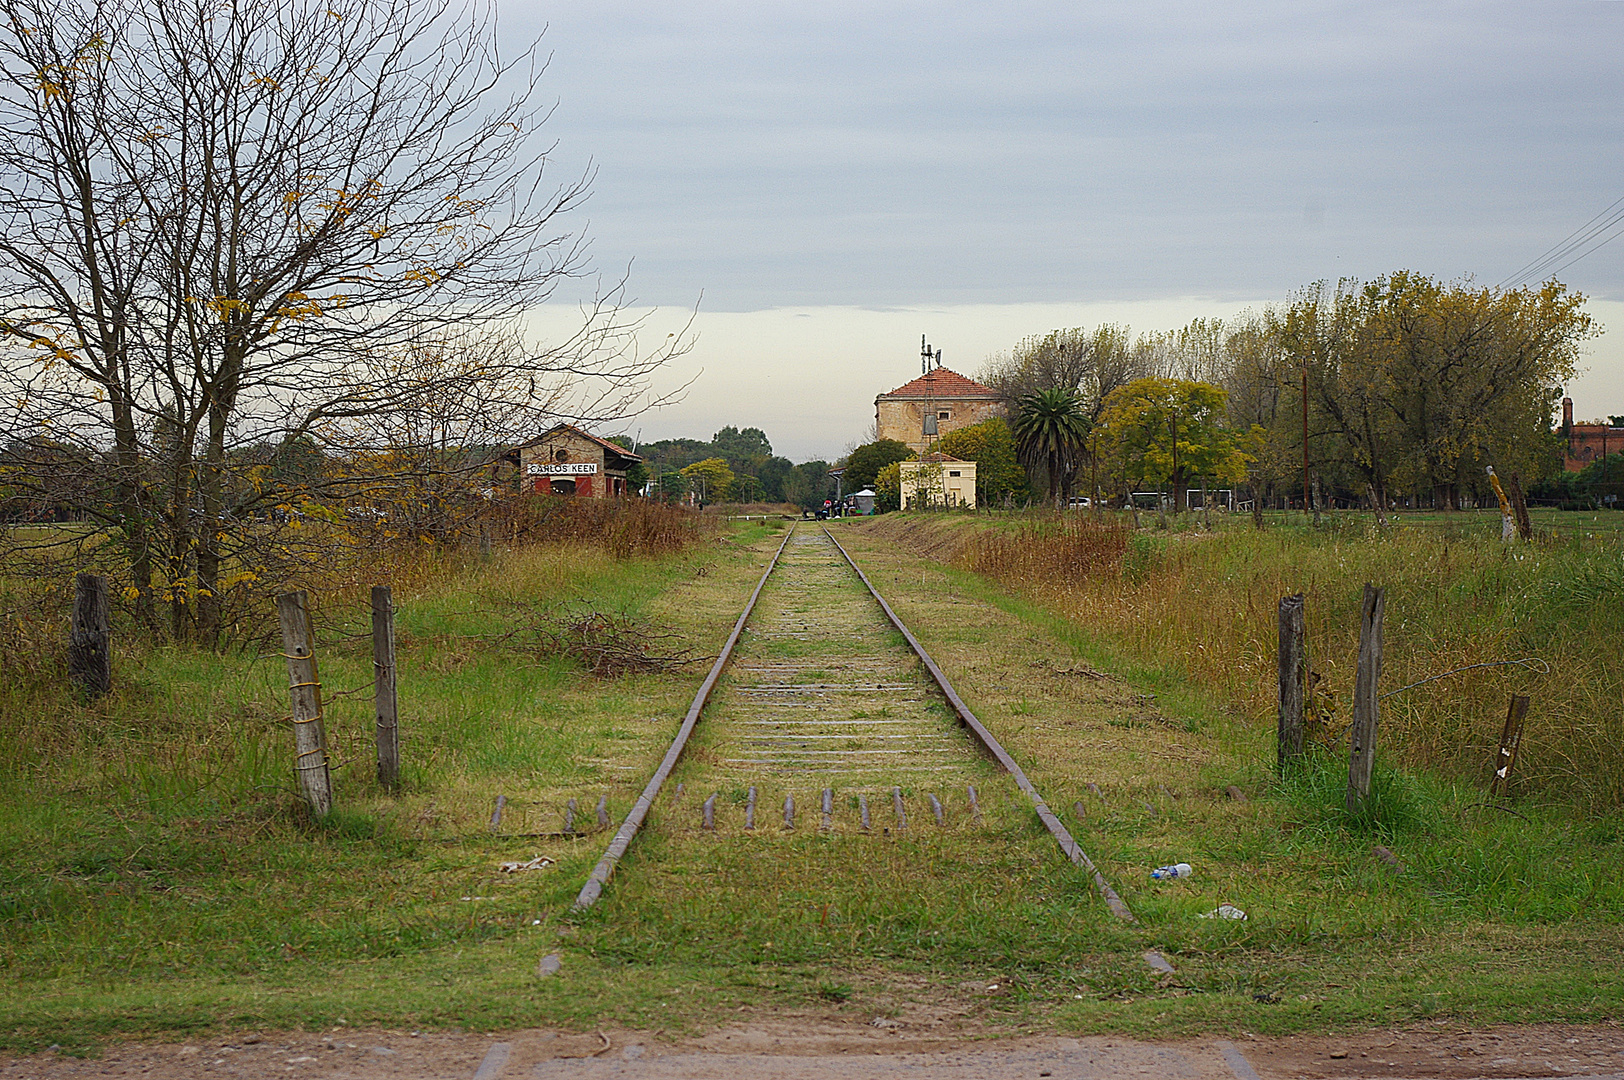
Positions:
{"x": 904, "y": 154}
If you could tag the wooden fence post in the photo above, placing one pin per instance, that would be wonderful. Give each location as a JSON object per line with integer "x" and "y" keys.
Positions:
{"x": 1293, "y": 680}
{"x": 1362, "y": 761}
{"x": 304, "y": 687}
{"x": 383, "y": 687}
{"x": 1505, "y": 759}
{"x": 90, "y": 641}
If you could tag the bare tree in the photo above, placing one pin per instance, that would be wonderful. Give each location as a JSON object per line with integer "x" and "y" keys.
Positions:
{"x": 221, "y": 222}
{"x": 1087, "y": 363}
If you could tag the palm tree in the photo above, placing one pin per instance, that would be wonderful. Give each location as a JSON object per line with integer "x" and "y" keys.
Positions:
{"x": 1052, "y": 427}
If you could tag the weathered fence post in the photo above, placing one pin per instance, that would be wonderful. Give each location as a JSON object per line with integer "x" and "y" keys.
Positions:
{"x": 1293, "y": 680}
{"x": 1505, "y": 758}
{"x": 1362, "y": 761}
{"x": 383, "y": 687}
{"x": 90, "y": 641}
{"x": 304, "y": 687}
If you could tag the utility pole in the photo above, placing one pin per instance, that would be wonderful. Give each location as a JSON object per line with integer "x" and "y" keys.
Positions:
{"x": 1173, "y": 421}
{"x": 1305, "y": 435}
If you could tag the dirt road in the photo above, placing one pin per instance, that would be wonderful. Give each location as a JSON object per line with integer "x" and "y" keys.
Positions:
{"x": 835, "y": 1052}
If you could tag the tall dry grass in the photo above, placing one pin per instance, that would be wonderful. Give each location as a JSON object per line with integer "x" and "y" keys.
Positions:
{"x": 551, "y": 544}
{"x": 626, "y": 528}
{"x": 1045, "y": 549}
{"x": 1205, "y": 604}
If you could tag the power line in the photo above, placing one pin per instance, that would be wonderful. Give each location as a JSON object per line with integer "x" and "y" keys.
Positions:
{"x": 1585, "y": 240}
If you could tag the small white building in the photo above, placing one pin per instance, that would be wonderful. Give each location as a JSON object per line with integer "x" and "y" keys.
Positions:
{"x": 938, "y": 480}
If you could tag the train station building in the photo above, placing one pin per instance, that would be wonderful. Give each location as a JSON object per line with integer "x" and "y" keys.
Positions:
{"x": 956, "y": 401}
{"x": 568, "y": 461}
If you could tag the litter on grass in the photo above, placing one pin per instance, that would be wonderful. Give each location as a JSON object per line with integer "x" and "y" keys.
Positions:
{"x": 1167, "y": 873}
{"x": 1224, "y": 911}
{"x": 540, "y": 862}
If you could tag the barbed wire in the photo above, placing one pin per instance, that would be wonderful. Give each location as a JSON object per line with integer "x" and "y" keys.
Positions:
{"x": 1532, "y": 663}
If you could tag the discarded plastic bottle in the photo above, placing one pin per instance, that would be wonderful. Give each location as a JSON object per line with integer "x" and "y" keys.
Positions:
{"x": 1161, "y": 873}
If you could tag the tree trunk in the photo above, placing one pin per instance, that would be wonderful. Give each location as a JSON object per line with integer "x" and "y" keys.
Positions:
{"x": 1519, "y": 508}
{"x": 1376, "y": 505}
{"x": 129, "y": 494}
{"x": 211, "y": 531}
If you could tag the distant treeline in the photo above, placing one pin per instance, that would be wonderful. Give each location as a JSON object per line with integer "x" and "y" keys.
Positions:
{"x": 734, "y": 466}
{"x": 1406, "y": 388}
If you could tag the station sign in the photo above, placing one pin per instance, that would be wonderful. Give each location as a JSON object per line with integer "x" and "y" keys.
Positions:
{"x": 549, "y": 468}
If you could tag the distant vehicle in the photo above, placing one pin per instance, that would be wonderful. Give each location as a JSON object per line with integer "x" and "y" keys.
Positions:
{"x": 1079, "y": 502}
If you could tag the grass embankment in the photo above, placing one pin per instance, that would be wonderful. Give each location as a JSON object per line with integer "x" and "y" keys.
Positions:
{"x": 1203, "y": 605}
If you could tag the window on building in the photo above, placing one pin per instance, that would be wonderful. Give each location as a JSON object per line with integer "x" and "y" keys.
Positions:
{"x": 954, "y": 472}
{"x": 561, "y": 455}
{"x": 944, "y": 415}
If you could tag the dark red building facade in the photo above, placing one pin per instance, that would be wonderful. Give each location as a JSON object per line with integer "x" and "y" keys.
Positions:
{"x": 1588, "y": 441}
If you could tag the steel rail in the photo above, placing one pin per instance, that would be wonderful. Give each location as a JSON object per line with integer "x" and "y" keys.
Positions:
{"x": 639, "y": 812}
{"x": 1067, "y": 844}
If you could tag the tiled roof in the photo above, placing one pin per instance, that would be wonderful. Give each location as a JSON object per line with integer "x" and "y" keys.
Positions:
{"x": 605, "y": 443}
{"x": 942, "y": 383}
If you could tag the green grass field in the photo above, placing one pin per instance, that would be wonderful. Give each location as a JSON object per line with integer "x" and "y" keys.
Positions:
{"x": 158, "y": 875}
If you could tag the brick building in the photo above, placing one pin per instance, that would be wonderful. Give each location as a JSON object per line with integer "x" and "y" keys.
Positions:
{"x": 1588, "y": 441}
{"x": 957, "y": 402}
{"x": 568, "y": 461}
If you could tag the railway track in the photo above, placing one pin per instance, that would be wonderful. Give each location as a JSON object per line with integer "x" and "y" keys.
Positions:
{"x": 834, "y": 717}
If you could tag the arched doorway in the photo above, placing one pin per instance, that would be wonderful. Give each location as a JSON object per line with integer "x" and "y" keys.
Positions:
{"x": 563, "y": 486}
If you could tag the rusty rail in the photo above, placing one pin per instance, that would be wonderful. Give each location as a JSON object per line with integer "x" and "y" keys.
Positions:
{"x": 967, "y": 718}
{"x": 639, "y": 812}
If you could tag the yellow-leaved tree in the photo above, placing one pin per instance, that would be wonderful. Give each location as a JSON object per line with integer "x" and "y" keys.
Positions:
{"x": 711, "y": 479}
{"x": 1164, "y": 432}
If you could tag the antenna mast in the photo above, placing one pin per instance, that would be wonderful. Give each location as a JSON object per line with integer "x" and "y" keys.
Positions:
{"x": 928, "y": 361}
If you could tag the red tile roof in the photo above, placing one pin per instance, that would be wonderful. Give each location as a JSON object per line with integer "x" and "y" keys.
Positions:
{"x": 605, "y": 443}
{"x": 942, "y": 383}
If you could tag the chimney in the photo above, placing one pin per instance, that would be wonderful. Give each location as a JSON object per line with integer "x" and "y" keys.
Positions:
{"x": 1567, "y": 415}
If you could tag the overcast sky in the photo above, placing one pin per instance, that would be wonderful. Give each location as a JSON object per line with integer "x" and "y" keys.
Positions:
{"x": 827, "y": 182}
